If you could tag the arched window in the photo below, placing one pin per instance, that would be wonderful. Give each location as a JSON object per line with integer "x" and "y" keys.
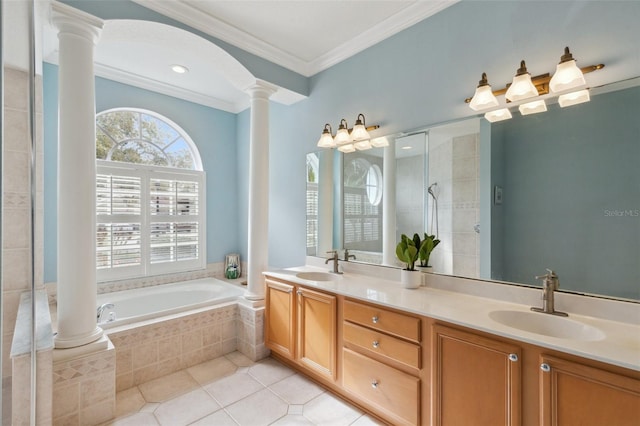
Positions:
{"x": 150, "y": 203}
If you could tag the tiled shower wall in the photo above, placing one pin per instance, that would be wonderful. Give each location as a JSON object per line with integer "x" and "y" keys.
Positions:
{"x": 454, "y": 165}
{"x": 16, "y": 205}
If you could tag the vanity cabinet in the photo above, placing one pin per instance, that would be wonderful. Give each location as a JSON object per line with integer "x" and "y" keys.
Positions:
{"x": 573, "y": 393}
{"x": 300, "y": 325}
{"x": 280, "y": 318}
{"x": 475, "y": 379}
{"x": 381, "y": 360}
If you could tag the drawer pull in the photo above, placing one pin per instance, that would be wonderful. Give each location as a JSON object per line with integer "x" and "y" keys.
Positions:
{"x": 374, "y": 384}
{"x": 376, "y": 344}
{"x": 375, "y": 319}
{"x": 513, "y": 357}
{"x": 545, "y": 367}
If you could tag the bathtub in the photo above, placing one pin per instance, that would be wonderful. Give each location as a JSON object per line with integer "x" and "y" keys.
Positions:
{"x": 131, "y": 306}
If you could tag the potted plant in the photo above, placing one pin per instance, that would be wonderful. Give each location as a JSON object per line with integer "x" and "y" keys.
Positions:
{"x": 426, "y": 247}
{"x": 407, "y": 253}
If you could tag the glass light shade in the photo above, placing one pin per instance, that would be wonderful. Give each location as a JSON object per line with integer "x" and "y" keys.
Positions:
{"x": 498, "y": 115}
{"x": 362, "y": 145}
{"x": 326, "y": 140}
{"x": 483, "y": 98}
{"x": 343, "y": 136}
{"x": 521, "y": 88}
{"x": 359, "y": 133}
{"x": 380, "y": 142}
{"x": 568, "y": 76}
{"x": 347, "y": 148}
{"x": 533, "y": 107}
{"x": 574, "y": 98}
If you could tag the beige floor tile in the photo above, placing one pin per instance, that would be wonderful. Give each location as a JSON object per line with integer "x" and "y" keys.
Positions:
{"x": 296, "y": 389}
{"x": 239, "y": 359}
{"x": 270, "y": 371}
{"x": 219, "y": 418}
{"x": 210, "y": 371}
{"x": 233, "y": 388}
{"x": 293, "y": 420}
{"x": 128, "y": 402}
{"x": 166, "y": 387}
{"x": 260, "y": 408}
{"x": 149, "y": 407}
{"x": 138, "y": 419}
{"x": 186, "y": 409}
{"x": 328, "y": 410}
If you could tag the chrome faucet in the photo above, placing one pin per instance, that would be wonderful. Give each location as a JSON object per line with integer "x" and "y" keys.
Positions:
{"x": 348, "y": 256}
{"x": 101, "y": 310}
{"x": 335, "y": 259}
{"x": 550, "y": 284}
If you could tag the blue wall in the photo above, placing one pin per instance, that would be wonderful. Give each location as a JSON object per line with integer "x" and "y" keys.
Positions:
{"x": 421, "y": 76}
{"x": 213, "y": 131}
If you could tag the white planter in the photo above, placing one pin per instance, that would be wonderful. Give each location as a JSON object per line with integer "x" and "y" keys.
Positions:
{"x": 410, "y": 279}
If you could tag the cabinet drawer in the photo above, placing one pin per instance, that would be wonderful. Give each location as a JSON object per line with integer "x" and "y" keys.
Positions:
{"x": 384, "y": 345}
{"x": 381, "y": 319}
{"x": 393, "y": 392}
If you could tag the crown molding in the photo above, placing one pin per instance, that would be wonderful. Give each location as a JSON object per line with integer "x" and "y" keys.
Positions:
{"x": 208, "y": 24}
{"x": 402, "y": 20}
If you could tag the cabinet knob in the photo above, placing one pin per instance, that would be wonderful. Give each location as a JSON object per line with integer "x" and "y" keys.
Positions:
{"x": 299, "y": 292}
{"x": 513, "y": 357}
{"x": 545, "y": 367}
{"x": 376, "y": 344}
{"x": 374, "y": 384}
{"x": 290, "y": 291}
{"x": 375, "y": 319}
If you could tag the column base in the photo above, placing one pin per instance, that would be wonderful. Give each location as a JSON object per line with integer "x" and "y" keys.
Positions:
{"x": 73, "y": 342}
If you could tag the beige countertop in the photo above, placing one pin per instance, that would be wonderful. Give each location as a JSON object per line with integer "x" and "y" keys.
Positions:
{"x": 617, "y": 344}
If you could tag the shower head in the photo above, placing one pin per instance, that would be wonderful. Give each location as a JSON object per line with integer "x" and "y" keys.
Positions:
{"x": 430, "y": 190}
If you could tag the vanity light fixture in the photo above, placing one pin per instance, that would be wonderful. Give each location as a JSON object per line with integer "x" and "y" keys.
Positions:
{"x": 574, "y": 98}
{"x": 568, "y": 75}
{"x": 348, "y": 140}
{"x": 533, "y": 107}
{"x": 379, "y": 142}
{"x": 522, "y": 87}
{"x": 179, "y": 69}
{"x": 483, "y": 98}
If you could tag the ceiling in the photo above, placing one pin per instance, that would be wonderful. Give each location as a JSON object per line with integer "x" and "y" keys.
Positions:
{"x": 305, "y": 36}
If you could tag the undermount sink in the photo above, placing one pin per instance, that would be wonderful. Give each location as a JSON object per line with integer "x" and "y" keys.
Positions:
{"x": 547, "y": 325}
{"x": 318, "y": 276}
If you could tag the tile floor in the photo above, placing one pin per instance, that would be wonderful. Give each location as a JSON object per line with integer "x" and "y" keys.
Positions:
{"x": 233, "y": 390}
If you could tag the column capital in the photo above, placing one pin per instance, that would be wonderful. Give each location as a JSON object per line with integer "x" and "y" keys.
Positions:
{"x": 76, "y": 22}
{"x": 261, "y": 89}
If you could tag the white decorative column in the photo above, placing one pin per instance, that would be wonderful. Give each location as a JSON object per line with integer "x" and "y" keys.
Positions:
{"x": 389, "y": 205}
{"x": 78, "y": 33}
{"x": 258, "y": 244}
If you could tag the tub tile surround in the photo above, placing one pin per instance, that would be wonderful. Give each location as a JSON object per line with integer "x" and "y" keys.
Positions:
{"x": 84, "y": 390}
{"x": 232, "y": 390}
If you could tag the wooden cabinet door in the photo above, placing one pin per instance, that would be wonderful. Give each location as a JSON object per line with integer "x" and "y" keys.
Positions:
{"x": 575, "y": 394}
{"x": 280, "y": 331}
{"x": 475, "y": 380}
{"x": 317, "y": 331}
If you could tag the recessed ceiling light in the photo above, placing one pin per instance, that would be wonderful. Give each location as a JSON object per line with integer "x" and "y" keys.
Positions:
{"x": 180, "y": 69}
{"x": 407, "y": 147}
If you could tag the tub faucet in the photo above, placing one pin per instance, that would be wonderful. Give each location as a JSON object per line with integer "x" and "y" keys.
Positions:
{"x": 335, "y": 259}
{"x": 103, "y": 308}
{"x": 549, "y": 285}
{"x": 348, "y": 256}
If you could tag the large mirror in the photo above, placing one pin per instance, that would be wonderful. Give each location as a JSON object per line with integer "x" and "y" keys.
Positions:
{"x": 556, "y": 190}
